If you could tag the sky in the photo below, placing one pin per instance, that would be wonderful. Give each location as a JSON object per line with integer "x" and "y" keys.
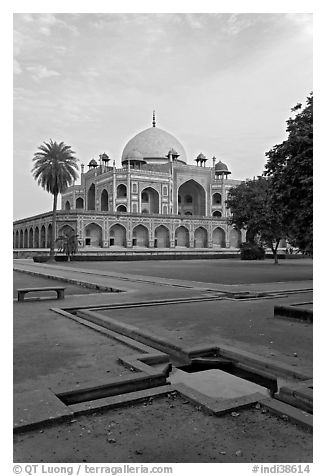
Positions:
{"x": 223, "y": 84}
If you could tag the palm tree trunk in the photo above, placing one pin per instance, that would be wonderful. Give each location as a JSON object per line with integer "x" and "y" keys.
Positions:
{"x": 54, "y": 219}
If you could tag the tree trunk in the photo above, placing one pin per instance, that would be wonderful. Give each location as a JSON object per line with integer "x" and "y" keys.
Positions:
{"x": 275, "y": 256}
{"x": 274, "y": 250}
{"x": 54, "y": 219}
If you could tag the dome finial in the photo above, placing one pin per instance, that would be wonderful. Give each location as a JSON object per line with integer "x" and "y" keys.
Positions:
{"x": 154, "y": 121}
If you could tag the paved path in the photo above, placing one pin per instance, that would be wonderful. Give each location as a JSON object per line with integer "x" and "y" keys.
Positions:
{"x": 111, "y": 278}
{"x": 249, "y": 325}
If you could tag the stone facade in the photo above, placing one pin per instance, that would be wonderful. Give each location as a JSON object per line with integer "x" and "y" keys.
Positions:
{"x": 155, "y": 200}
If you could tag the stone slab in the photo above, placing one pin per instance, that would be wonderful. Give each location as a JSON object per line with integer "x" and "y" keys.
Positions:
{"x": 217, "y": 384}
{"x": 35, "y": 408}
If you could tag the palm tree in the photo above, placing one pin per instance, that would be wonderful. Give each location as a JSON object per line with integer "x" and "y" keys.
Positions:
{"x": 55, "y": 168}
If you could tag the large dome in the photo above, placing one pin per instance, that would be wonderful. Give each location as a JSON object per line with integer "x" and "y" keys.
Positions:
{"x": 154, "y": 144}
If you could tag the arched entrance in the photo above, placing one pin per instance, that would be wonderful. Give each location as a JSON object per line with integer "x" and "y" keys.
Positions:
{"x": 65, "y": 230}
{"x": 235, "y": 238}
{"x": 31, "y": 238}
{"x": 117, "y": 235}
{"x": 43, "y": 244}
{"x": 162, "y": 237}
{"x": 49, "y": 236}
{"x": 26, "y": 238}
{"x": 200, "y": 238}
{"x": 36, "y": 237}
{"x": 104, "y": 201}
{"x": 17, "y": 239}
{"x": 149, "y": 200}
{"x": 80, "y": 203}
{"x": 91, "y": 198}
{"x": 216, "y": 199}
{"x": 122, "y": 209}
{"x": 140, "y": 236}
{"x": 121, "y": 191}
{"x": 217, "y": 214}
{"x": 93, "y": 235}
{"x": 219, "y": 238}
{"x": 67, "y": 205}
{"x": 21, "y": 242}
{"x": 191, "y": 199}
{"x": 182, "y": 236}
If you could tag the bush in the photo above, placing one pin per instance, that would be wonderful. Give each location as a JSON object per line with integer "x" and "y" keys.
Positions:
{"x": 41, "y": 258}
{"x": 45, "y": 258}
{"x": 251, "y": 251}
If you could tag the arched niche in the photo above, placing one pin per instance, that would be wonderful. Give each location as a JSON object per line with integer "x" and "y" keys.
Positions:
{"x": 191, "y": 198}
{"x": 149, "y": 200}
{"x": 91, "y": 198}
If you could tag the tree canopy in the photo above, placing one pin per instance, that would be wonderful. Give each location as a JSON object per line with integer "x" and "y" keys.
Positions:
{"x": 280, "y": 203}
{"x": 55, "y": 166}
{"x": 253, "y": 210}
{"x": 290, "y": 168}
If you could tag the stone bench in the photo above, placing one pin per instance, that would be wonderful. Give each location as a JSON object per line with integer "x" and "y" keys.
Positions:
{"x": 60, "y": 290}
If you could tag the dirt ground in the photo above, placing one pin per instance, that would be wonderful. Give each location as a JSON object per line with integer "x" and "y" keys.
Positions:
{"x": 170, "y": 430}
{"x": 52, "y": 351}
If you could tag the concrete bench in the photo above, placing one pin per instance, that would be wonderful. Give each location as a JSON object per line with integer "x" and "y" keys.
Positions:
{"x": 60, "y": 290}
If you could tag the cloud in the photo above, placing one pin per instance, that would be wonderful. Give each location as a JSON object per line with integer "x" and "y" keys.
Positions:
{"x": 194, "y": 20}
{"x": 237, "y": 22}
{"x": 41, "y": 72}
{"x": 17, "y": 67}
{"x": 303, "y": 21}
{"x": 91, "y": 73}
{"x": 18, "y": 42}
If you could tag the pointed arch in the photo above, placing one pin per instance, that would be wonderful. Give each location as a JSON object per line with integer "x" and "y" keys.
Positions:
{"x": 26, "y": 238}
{"x": 49, "y": 236}
{"x": 218, "y": 237}
{"x": 140, "y": 236}
{"x": 21, "y": 241}
{"x": 121, "y": 191}
{"x": 91, "y": 198}
{"x": 217, "y": 214}
{"x": 150, "y": 201}
{"x": 36, "y": 237}
{"x": 118, "y": 235}
{"x": 182, "y": 236}
{"x": 200, "y": 237}
{"x": 104, "y": 201}
{"x": 162, "y": 237}
{"x": 65, "y": 230}
{"x": 216, "y": 199}
{"x": 31, "y": 238}
{"x": 235, "y": 238}
{"x": 17, "y": 239}
{"x": 191, "y": 198}
{"x": 93, "y": 234}
{"x": 43, "y": 242}
{"x": 67, "y": 205}
{"x": 79, "y": 203}
{"x": 122, "y": 209}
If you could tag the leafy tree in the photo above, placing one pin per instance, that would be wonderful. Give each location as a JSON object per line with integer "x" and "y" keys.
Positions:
{"x": 253, "y": 210}
{"x": 68, "y": 244}
{"x": 55, "y": 168}
{"x": 290, "y": 168}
